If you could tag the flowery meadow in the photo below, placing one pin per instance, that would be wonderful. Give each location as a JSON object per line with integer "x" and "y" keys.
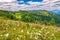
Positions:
{"x": 17, "y": 30}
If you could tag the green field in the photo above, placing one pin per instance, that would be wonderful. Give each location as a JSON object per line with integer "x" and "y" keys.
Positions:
{"x": 28, "y": 25}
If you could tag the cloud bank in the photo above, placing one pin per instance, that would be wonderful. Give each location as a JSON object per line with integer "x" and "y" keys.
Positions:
{"x": 6, "y": 0}
{"x": 15, "y": 5}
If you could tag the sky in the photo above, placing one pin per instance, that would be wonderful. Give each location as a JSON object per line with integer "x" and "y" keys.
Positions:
{"x": 14, "y": 5}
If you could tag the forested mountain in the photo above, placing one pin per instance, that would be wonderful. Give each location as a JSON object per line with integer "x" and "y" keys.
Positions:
{"x": 41, "y": 16}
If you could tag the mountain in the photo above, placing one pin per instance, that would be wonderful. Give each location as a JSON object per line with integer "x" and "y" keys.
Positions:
{"x": 56, "y": 11}
{"x": 29, "y": 25}
{"x": 41, "y": 16}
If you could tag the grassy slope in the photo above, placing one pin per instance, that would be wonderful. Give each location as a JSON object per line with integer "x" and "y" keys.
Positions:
{"x": 10, "y": 29}
{"x": 19, "y": 30}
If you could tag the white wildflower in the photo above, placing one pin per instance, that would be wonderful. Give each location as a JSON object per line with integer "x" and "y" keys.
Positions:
{"x": 20, "y": 35}
{"x": 14, "y": 28}
{"x": 53, "y": 34}
{"x": 47, "y": 32}
{"x": 31, "y": 33}
{"x": 36, "y": 37}
{"x": 21, "y": 30}
{"x": 33, "y": 28}
{"x": 17, "y": 38}
{"x": 17, "y": 24}
{"x": 44, "y": 37}
{"x": 36, "y": 33}
{"x": 1, "y": 35}
{"x": 27, "y": 32}
{"x": 42, "y": 28}
{"x": 31, "y": 36}
{"x": 39, "y": 34}
{"x": 6, "y": 35}
{"x": 40, "y": 31}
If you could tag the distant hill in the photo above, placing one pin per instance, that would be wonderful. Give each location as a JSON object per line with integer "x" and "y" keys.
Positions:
{"x": 41, "y": 16}
{"x": 56, "y": 11}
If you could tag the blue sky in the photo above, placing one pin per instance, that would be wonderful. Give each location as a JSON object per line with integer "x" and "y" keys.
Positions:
{"x": 14, "y": 5}
{"x": 31, "y": 0}
{"x": 25, "y": 1}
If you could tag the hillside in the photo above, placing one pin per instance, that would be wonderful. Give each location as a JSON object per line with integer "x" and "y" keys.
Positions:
{"x": 28, "y": 25}
{"x": 42, "y": 16}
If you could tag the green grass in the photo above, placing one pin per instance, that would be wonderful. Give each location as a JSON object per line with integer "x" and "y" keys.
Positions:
{"x": 27, "y": 25}
{"x": 19, "y": 30}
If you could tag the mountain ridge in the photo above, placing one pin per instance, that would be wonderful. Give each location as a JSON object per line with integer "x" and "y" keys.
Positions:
{"x": 43, "y": 16}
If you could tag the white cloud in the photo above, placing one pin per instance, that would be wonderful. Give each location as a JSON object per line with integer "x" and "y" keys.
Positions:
{"x": 45, "y": 4}
{"x": 7, "y": 0}
{"x": 34, "y": 3}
